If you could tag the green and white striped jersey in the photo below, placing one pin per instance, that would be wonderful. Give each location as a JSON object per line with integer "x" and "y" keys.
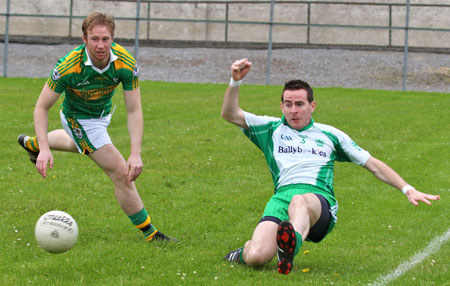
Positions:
{"x": 303, "y": 156}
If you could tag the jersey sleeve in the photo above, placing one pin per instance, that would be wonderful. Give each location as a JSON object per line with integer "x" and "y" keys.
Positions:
{"x": 260, "y": 129}
{"x": 59, "y": 78}
{"x": 127, "y": 67}
{"x": 253, "y": 121}
{"x": 356, "y": 154}
{"x": 57, "y": 83}
{"x": 346, "y": 149}
{"x": 130, "y": 80}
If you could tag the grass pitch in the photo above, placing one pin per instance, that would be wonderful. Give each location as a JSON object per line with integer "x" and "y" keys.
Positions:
{"x": 206, "y": 184}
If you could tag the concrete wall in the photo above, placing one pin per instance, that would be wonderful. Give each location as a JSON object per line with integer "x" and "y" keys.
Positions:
{"x": 365, "y": 15}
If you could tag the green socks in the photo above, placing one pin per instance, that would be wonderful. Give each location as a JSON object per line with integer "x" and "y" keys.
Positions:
{"x": 32, "y": 144}
{"x": 240, "y": 258}
{"x": 142, "y": 221}
{"x": 299, "y": 242}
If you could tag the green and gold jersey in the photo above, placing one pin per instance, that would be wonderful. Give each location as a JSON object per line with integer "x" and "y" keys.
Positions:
{"x": 87, "y": 91}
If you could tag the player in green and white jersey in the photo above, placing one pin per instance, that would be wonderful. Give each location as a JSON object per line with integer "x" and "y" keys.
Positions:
{"x": 87, "y": 78}
{"x": 300, "y": 154}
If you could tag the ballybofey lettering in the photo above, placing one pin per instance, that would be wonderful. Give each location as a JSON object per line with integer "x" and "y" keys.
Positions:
{"x": 289, "y": 149}
{"x": 295, "y": 150}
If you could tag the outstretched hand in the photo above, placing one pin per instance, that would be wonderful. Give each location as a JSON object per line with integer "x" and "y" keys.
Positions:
{"x": 240, "y": 68}
{"x": 414, "y": 197}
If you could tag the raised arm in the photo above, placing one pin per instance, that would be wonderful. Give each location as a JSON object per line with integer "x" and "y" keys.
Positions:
{"x": 386, "y": 174}
{"x": 231, "y": 110}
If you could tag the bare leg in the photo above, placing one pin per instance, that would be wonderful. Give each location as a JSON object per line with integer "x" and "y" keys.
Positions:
{"x": 304, "y": 211}
{"x": 59, "y": 140}
{"x": 109, "y": 159}
{"x": 263, "y": 245}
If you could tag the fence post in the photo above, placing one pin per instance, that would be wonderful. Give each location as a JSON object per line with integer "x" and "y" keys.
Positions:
{"x": 226, "y": 21}
{"x": 70, "y": 18}
{"x": 405, "y": 55}
{"x": 308, "y": 29}
{"x": 269, "y": 56}
{"x": 136, "y": 38}
{"x": 5, "y": 53}
{"x": 148, "y": 20}
{"x": 390, "y": 25}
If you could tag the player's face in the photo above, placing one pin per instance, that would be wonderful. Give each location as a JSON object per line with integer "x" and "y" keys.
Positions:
{"x": 98, "y": 44}
{"x": 296, "y": 108}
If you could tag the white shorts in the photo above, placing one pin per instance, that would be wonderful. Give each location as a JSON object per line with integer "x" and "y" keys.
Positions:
{"x": 88, "y": 134}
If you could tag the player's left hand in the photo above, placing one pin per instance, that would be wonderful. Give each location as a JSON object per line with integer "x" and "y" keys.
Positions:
{"x": 134, "y": 167}
{"x": 414, "y": 197}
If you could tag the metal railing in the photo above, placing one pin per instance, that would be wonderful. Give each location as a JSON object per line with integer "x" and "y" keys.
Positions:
{"x": 227, "y": 24}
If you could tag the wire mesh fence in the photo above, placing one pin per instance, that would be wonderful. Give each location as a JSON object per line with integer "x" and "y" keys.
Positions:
{"x": 236, "y": 24}
{"x": 294, "y": 22}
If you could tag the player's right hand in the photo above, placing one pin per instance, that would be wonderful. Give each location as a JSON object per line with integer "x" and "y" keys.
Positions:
{"x": 240, "y": 68}
{"x": 42, "y": 160}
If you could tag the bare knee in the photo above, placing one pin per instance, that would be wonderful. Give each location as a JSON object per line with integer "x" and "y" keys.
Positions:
{"x": 117, "y": 172}
{"x": 303, "y": 202}
{"x": 255, "y": 258}
{"x": 59, "y": 140}
{"x": 121, "y": 180}
{"x": 255, "y": 255}
{"x": 304, "y": 211}
{"x": 299, "y": 202}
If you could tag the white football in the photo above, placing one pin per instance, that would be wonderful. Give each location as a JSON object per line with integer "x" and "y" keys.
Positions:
{"x": 56, "y": 231}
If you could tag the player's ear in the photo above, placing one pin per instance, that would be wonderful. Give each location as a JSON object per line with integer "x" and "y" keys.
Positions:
{"x": 313, "y": 105}
{"x": 84, "y": 39}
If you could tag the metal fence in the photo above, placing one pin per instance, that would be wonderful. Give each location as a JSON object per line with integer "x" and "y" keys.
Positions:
{"x": 237, "y": 24}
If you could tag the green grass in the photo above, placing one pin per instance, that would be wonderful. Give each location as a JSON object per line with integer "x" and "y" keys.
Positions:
{"x": 206, "y": 184}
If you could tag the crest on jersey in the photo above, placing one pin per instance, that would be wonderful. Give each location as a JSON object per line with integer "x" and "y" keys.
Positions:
{"x": 78, "y": 133}
{"x": 319, "y": 142}
{"x": 55, "y": 75}
{"x": 136, "y": 70}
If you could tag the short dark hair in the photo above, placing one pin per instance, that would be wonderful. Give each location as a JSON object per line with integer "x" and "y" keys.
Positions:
{"x": 297, "y": 84}
{"x": 98, "y": 19}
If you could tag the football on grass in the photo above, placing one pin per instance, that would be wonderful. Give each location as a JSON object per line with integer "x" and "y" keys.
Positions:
{"x": 56, "y": 231}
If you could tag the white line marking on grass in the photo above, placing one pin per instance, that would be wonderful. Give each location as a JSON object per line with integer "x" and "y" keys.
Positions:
{"x": 434, "y": 246}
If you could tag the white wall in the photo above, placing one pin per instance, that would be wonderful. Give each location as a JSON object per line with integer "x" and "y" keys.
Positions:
{"x": 288, "y": 13}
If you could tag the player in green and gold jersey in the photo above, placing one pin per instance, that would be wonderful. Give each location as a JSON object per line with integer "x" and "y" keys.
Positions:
{"x": 87, "y": 78}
